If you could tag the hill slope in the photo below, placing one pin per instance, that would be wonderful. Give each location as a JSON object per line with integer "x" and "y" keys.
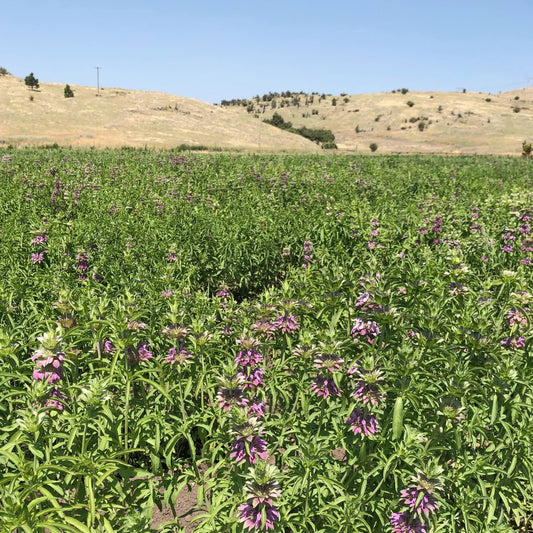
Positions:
{"x": 120, "y": 117}
{"x": 411, "y": 122}
{"x": 442, "y": 122}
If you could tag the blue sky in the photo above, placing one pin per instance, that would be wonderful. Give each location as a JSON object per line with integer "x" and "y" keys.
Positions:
{"x": 213, "y": 50}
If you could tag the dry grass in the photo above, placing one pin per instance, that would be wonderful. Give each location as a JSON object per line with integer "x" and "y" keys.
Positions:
{"x": 468, "y": 123}
{"x": 465, "y": 123}
{"x": 121, "y": 117}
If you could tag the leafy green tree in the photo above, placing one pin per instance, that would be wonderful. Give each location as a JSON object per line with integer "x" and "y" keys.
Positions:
{"x": 527, "y": 149}
{"x": 373, "y": 147}
{"x": 3, "y": 71}
{"x": 69, "y": 93}
{"x": 31, "y": 81}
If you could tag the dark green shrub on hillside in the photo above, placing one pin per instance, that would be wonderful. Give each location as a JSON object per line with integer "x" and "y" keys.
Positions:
{"x": 278, "y": 121}
{"x": 320, "y": 136}
{"x": 410, "y": 104}
{"x": 373, "y": 147}
{"x": 329, "y": 146}
{"x": 3, "y": 71}
{"x": 31, "y": 81}
{"x": 68, "y": 92}
{"x": 404, "y": 91}
{"x": 527, "y": 149}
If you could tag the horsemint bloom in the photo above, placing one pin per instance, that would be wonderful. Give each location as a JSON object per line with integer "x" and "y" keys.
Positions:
{"x": 232, "y": 392}
{"x": 367, "y": 388}
{"x": 363, "y": 421}
{"x": 407, "y": 523}
{"x": 365, "y": 330}
{"x": 419, "y": 499}
{"x": 179, "y": 355}
{"x": 248, "y": 445}
{"x": 259, "y": 511}
{"x": 249, "y": 354}
{"x": 324, "y": 387}
{"x": 48, "y": 358}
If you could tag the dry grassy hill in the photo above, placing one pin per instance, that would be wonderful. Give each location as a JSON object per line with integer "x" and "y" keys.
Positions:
{"x": 120, "y": 117}
{"x": 426, "y": 122}
{"x": 411, "y": 122}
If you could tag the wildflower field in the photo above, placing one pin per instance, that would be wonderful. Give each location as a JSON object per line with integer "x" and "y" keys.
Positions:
{"x": 306, "y": 343}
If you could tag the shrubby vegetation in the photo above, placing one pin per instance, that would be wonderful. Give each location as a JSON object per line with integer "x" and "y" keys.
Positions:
{"x": 328, "y": 344}
{"x": 321, "y": 136}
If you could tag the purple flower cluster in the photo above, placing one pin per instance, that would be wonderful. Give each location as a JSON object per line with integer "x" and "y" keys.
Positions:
{"x": 363, "y": 422}
{"x": 38, "y": 257}
{"x": 179, "y": 356}
{"x": 250, "y": 373}
{"x": 517, "y": 317}
{"x": 48, "y": 367}
{"x": 259, "y": 511}
{"x": 368, "y": 394}
{"x": 140, "y": 353}
{"x": 283, "y": 323}
{"x": 232, "y": 393}
{"x": 48, "y": 359}
{"x": 420, "y": 502}
{"x": 308, "y": 253}
{"x": 324, "y": 386}
{"x": 365, "y": 303}
{"x": 365, "y": 330}
{"x": 407, "y": 523}
{"x": 513, "y": 343}
{"x": 82, "y": 266}
{"x": 248, "y": 446}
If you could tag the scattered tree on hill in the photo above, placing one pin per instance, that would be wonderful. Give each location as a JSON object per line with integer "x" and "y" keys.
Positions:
{"x": 410, "y": 104}
{"x": 373, "y": 147}
{"x": 69, "y": 93}
{"x": 31, "y": 81}
{"x": 527, "y": 149}
{"x": 3, "y": 71}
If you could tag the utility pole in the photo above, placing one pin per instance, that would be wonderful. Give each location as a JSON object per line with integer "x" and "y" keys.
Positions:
{"x": 260, "y": 126}
{"x": 98, "y": 80}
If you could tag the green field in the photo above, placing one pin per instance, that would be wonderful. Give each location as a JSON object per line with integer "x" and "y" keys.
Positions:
{"x": 307, "y": 343}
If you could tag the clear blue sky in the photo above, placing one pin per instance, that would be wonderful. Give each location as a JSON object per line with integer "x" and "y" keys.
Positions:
{"x": 213, "y": 50}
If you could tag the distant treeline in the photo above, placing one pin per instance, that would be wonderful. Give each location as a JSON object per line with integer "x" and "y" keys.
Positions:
{"x": 286, "y": 98}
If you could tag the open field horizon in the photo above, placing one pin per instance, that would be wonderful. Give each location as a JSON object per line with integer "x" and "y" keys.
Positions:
{"x": 396, "y": 121}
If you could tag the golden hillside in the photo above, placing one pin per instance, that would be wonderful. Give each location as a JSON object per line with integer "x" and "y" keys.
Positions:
{"x": 120, "y": 117}
{"x": 397, "y": 122}
{"x": 412, "y": 122}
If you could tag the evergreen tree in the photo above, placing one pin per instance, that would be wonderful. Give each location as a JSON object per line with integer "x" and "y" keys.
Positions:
{"x": 69, "y": 93}
{"x": 31, "y": 81}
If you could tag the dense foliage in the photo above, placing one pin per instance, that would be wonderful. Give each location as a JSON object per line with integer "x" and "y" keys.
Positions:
{"x": 313, "y": 343}
{"x": 321, "y": 136}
